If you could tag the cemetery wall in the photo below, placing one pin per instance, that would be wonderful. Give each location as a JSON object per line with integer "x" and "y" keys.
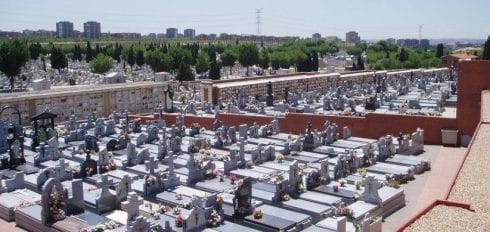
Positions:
{"x": 371, "y": 126}
{"x": 98, "y": 100}
{"x": 304, "y": 82}
{"x": 474, "y": 76}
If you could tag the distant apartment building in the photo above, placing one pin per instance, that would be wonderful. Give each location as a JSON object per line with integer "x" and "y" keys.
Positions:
{"x": 413, "y": 43}
{"x": 161, "y": 35}
{"x": 189, "y": 33}
{"x": 152, "y": 35}
{"x": 316, "y": 36}
{"x": 352, "y": 37}
{"x": 391, "y": 40}
{"x": 424, "y": 43}
{"x": 64, "y": 29}
{"x": 333, "y": 38}
{"x": 172, "y": 33}
{"x": 91, "y": 29}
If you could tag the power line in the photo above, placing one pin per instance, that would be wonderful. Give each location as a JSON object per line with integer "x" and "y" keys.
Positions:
{"x": 259, "y": 12}
{"x": 420, "y": 31}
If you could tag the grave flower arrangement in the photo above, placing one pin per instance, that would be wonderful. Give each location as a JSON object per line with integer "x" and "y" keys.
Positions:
{"x": 285, "y": 197}
{"x": 103, "y": 227}
{"x": 257, "y": 214}
{"x": 164, "y": 208}
{"x": 56, "y": 205}
{"x": 362, "y": 171}
{"x": 88, "y": 171}
{"x": 219, "y": 203}
{"x": 112, "y": 165}
{"x": 279, "y": 158}
{"x": 335, "y": 187}
{"x": 250, "y": 164}
{"x": 345, "y": 211}
{"x": 179, "y": 221}
{"x": 214, "y": 219}
{"x": 150, "y": 179}
{"x": 358, "y": 184}
{"x": 104, "y": 168}
{"x": 342, "y": 183}
{"x": 186, "y": 205}
{"x": 178, "y": 196}
{"x": 232, "y": 178}
{"x": 300, "y": 187}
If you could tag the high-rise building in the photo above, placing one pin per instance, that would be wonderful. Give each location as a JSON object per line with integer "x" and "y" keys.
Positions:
{"x": 352, "y": 37}
{"x": 316, "y": 36}
{"x": 391, "y": 40}
{"x": 424, "y": 43}
{"x": 91, "y": 29}
{"x": 172, "y": 32}
{"x": 189, "y": 33}
{"x": 64, "y": 29}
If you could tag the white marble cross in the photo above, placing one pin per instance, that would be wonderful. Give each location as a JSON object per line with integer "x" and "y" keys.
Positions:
{"x": 131, "y": 205}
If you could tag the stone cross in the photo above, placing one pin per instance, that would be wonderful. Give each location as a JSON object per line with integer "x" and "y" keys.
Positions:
{"x": 370, "y": 194}
{"x": 151, "y": 165}
{"x": 131, "y": 205}
{"x": 104, "y": 184}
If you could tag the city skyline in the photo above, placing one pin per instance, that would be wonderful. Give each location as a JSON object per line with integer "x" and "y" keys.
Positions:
{"x": 380, "y": 20}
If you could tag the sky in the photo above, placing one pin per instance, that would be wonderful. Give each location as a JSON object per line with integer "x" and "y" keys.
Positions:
{"x": 373, "y": 19}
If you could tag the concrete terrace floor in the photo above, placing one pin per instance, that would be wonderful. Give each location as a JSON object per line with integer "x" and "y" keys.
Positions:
{"x": 431, "y": 185}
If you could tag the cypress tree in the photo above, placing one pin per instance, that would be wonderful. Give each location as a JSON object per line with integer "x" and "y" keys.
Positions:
{"x": 486, "y": 50}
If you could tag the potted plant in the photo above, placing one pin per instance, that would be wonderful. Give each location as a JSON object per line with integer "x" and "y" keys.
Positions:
{"x": 179, "y": 221}
{"x": 280, "y": 158}
{"x": 342, "y": 183}
{"x": 232, "y": 178}
{"x": 257, "y": 214}
{"x": 358, "y": 185}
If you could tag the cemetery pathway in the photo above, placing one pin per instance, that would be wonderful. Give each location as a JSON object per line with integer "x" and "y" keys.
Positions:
{"x": 9, "y": 226}
{"x": 429, "y": 186}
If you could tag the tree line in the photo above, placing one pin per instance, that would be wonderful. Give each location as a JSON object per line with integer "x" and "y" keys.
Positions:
{"x": 209, "y": 59}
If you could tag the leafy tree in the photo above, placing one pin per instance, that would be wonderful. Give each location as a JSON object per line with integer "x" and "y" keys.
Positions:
{"x": 140, "y": 58}
{"x": 214, "y": 71}
{"x": 486, "y": 50}
{"x": 179, "y": 56}
{"x": 248, "y": 55}
{"x": 131, "y": 60}
{"x": 101, "y": 64}
{"x": 158, "y": 61}
{"x": 185, "y": 73}
{"x": 13, "y": 55}
{"x": 360, "y": 63}
{"x": 202, "y": 62}
{"x": 35, "y": 50}
{"x": 403, "y": 56}
{"x": 264, "y": 59}
{"x": 116, "y": 55}
{"x": 58, "y": 59}
{"x": 89, "y": 53}
{"x": 439, "y": 50}
{"x": 228, "y": 59}
{"x": 354, "y": 50}
{"x": 314, "y": 61}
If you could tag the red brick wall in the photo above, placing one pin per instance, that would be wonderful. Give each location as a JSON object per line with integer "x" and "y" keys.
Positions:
{"x": 474, "y": 76}
{"x": 372, "y": 126}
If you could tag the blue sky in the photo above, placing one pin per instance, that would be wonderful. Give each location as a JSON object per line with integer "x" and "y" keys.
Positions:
{"x": 373, "y": 19}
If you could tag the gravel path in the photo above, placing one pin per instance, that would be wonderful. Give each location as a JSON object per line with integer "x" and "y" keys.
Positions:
{"x": 472, "y": 187}
{"x": 446, "y": 218}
